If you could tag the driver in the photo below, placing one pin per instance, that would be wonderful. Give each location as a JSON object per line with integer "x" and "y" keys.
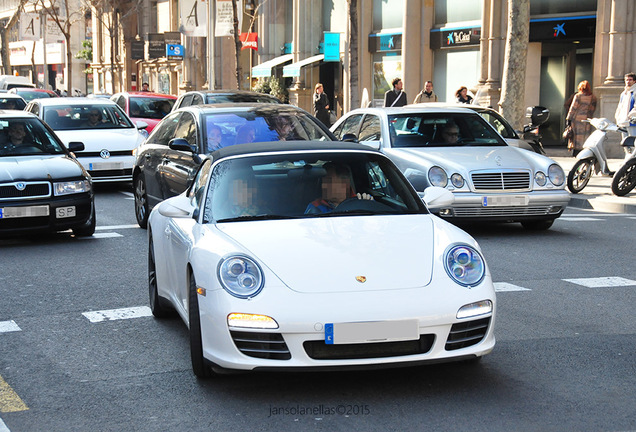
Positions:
{"x": 336, "y": 188}
{"x": 450, "y": 134}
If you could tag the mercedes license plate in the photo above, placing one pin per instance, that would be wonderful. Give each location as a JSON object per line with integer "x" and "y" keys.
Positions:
{"x": 22, "y": 212}
{"x": 371, "y": 331}
{"x": 504, "y": 201}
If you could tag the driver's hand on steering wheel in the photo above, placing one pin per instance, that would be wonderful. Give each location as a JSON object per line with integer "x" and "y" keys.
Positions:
{"x": 364, "y": 196}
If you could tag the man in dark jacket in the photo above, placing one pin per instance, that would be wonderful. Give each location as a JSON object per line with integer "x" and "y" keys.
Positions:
{"x": 395, "y": 97}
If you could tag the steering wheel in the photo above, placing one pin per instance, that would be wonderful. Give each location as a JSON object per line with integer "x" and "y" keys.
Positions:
{"x": 353, "y": 204}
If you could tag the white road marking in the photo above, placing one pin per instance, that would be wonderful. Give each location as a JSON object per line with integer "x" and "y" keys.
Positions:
{"x": 602, "y": 282}
{"x": 8, "y": 326}
{"x": 114, "y": 227}
{"x": 100, "y": 236}
{"x": 128, "y": 194}
{"x": 505, "y": 286}
{"x": 3, "y": 427}
{"x": 578, "y": 218}
{"x": 118, "y": 314}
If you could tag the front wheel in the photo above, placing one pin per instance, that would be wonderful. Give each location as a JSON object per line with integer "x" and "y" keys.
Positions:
{"x": 580, "y": 174}
{"x": 141, "y": 201}
{"x": 625, "y": 178}
{"x": 158, "y": 305}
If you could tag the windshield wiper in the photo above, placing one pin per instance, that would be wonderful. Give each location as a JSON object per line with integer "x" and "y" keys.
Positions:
{"x": 256, "y": 217}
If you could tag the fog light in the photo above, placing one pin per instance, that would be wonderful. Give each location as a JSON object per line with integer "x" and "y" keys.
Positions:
{"x": 446, "y": 212}
{"x": 251, "y": 321}
{"x": 475, "y": 309}
{"x": 554, "y": 209}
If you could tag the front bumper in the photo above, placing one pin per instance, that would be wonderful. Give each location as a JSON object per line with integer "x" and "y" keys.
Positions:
{"x": 117, "y": 168}
{"x": 540, "y": 205}
{"x": 299, "y": 342}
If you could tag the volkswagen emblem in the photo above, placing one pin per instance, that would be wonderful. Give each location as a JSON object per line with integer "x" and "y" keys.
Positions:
{"x": 498, "y": 160}
{"x": 20, "y": 186}
{"x": 361, "y": 279}
{"x": 104, "y": 154}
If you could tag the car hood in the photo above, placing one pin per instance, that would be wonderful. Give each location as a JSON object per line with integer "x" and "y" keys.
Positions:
{"x": 27, "y": 168}
{"x": 98, "y": 139}
{"x": 333, "y": 254}
{"x": 466, "y": 159}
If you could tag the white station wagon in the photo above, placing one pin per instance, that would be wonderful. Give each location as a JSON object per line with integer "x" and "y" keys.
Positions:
{"x": 455, "y": 148}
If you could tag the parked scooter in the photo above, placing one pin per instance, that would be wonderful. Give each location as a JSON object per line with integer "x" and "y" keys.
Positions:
{"x": 625, "y": 178}
{"x": 537, "y": 115}
{"x": 593, "y": 156}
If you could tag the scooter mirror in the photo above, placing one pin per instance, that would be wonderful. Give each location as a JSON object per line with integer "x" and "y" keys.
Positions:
{"x": 537, "y": 115}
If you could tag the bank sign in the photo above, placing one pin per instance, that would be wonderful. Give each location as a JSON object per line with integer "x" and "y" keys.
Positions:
{"x": 451, "y": 38}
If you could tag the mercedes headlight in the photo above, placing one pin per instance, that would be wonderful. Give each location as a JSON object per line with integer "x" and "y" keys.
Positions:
{"x": 556, "y": 174}
{"x": 71, "y": 187}
{"x": 240, "y": 276}
{"x": 437, "y": 176}
{"x": 540, "y": 178}
{"x": 465, "y": 265}
{"x": 457, "y": 180}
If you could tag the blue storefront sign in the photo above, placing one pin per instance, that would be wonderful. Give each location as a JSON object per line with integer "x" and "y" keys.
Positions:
{"x": 332, "y": 47}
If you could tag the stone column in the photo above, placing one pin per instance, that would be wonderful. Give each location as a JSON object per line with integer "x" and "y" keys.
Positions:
{"x": 412, "y": 58}
{"x": 494, "y": 25}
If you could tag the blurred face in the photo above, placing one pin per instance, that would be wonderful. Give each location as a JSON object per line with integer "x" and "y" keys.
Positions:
{"x": 93, "y": 116}
{"x": 144, "y": 87}
{"x": 17, "y": 132}
{"x": 399, "y": 85}
{"x": 242, "y": 193}
{"x": 428, "y": 87}
{"x": 319, "y": 90}
{"x": 629, "y": 81}
{"x": 215, "y": 136}
{"x": 283, "y": 126}
{"x": 451, "y": 134}
{"x": 335, "y": 188}
{"x": 464, "y": 92}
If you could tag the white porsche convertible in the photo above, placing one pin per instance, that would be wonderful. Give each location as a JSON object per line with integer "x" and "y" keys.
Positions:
{"x": 316, "y": 255}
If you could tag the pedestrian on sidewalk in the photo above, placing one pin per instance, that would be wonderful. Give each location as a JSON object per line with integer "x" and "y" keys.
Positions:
{"x": 321, "y": 105}
{"x": 582, "y": 108}
{"x": 426, "y": 95}
{"x": 626, "y": 104}
{"x": 395, "y": 97}
{"x": 462, "y": 96}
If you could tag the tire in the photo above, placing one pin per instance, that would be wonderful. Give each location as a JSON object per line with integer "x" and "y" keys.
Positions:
{"x": 580, "y": 174}
{"x": 158, "y": 305}
{"x": 88, "y": 228}
{"x": 199, "y": 365}
{"x": 625, "y": 178}
{"x": 538, "y": 225}
{"x": 141, "y": 201}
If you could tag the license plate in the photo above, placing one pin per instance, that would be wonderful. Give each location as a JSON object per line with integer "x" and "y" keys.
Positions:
{"x": 370, "y": 332}
{"x": 22, "y": 212}
{"x": 65, "y": 212}
{"x": 102, "y": 166}
{"x": 508, "y": 200}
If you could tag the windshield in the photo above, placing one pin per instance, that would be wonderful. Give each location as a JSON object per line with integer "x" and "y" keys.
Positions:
{"x": 97, "y": 116}
{"x": 29, "y": 95}
{"x": 12, "y": 103}
{"x": 306, "y": 186}
{"x": 441, "y": 130}
{"x": 214, "y": 98}
{"x": 26, "y": 136}
{"x": 226, "y": 129}
{"x": 150, "y": 107}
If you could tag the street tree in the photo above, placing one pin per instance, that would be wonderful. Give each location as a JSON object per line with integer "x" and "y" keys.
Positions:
{"x": 354, "y": 89}
{"x": 515, "y": 62}
{"x": 5, "y": 28}
{"x": 237, "y": 43}
{"x": 111, "y": 14}
{"x": 64, "y": 13}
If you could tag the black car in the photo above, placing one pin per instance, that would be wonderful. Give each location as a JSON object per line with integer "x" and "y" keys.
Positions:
{"x": 167, "y": 161}
{"x": 43, "y": 188}
{"x": 202, "y": 97}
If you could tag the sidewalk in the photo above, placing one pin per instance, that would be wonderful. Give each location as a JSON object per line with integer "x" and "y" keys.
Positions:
{"x": 597, "y": 195}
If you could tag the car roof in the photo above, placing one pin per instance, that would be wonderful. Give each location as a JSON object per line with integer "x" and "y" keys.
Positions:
{"x": 240, "y": 107}
{"x": 421, "y": 108}
{"x": 472, "y": 107}
{"x": 16, "y": 114}
{"x": 74, "y": 101}
{"x": 220, "y": 91}
{"x": 11, "y": 96}
{"x": 289, "y": 146}
{"x": 147, "y": 94}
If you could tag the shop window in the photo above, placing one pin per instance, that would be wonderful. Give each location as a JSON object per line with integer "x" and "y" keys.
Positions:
{"x": 457, "y": 10}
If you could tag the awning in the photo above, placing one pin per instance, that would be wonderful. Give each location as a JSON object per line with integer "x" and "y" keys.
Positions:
{"x": 265, "y": 69}
{"x": 293, "y": 70}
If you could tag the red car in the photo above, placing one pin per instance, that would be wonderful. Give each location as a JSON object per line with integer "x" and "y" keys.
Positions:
{"x": 145, "y": 106}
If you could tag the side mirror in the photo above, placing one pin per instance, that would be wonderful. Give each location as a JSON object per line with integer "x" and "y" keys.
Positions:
{"x": 181, "y": 144}
{"x": 349, "y": 137}
{"x": 176, "y": 207}
{"x": 75, "y": 146}
{"x": 436, "y": 197}
{"x": 141, "y": 124}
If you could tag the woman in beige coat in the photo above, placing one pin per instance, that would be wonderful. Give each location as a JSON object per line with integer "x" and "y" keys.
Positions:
{"x": 582, "y": 108}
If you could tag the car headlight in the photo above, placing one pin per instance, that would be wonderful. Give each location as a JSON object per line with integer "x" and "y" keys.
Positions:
{"x": 540, "y": 178}
{"x": 240, "y": 276}
{"x": 457, "y": 180}
{"x": 556, "y": 174}
{"x": 437, "y": 176}
{"x": 71, "y": 187}
{"x": 464, "y": 265}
